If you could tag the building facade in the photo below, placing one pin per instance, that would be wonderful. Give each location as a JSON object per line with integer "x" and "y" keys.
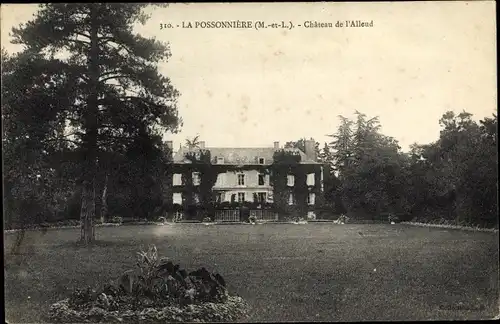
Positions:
{"x": 230, "y": 179}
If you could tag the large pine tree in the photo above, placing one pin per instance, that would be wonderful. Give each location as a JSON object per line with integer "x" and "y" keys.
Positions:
{"x": 107, "y": 81}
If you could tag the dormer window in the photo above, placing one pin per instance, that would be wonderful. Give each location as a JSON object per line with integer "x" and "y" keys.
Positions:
{"x": 220, "y": 160}
{"x": 262, "y": 160}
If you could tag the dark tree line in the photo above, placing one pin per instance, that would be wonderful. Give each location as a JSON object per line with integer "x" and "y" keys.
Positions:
{"x": 454, "y": 178}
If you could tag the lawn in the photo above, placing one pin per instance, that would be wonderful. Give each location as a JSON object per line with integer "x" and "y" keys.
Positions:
{"x": 313, "y": 272}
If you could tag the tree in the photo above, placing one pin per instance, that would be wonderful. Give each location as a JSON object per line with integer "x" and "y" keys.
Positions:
{"x": 369, "y": 167}
{"x": 342, "y": 145}
{"x": 30, "y": 139}
{"x": 468, "y": 158}
{"x": 193, "y": 143}
{"x": 108, "y": 87}
{"x": 325, "y": 156}
{"x": 35, "y": 188}
{"x": 146, "y": 162}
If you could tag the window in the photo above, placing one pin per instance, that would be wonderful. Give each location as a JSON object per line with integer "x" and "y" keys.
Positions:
{"x": 310, "y": 198}
{"x": 262, "y": 160}
{"x": 262, "y": 180}
{"x": 177, "y": 198}
{"x": 196, "y": 198}
{"x": 241, "y": 179}
{"x": 322, "y": 180}
{"x": 262, "y": 197}
{"x": 219, "y": 197}
{"x": 241, "y": 197}
{"x": 233, "y": 198}
{"x": 291, "y": 199}
{"x": 196, "y": 178}
{"x": 177, "y": 179}
{"x": 220, "y": 160}
{"x": 310, "y": 179}
{"x": 290, "y": 180}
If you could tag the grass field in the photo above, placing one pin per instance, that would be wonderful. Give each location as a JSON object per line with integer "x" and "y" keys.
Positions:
{"x": 314, "y": 272}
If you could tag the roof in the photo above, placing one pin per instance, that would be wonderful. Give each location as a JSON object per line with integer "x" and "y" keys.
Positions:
{"x": 239, "y": 155}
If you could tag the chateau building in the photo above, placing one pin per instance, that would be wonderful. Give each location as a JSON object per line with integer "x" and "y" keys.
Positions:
{"x": 243, "y": 176}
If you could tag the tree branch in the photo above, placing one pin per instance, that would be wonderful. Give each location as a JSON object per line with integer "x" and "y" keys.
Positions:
{"x": 83, "y": 35}
{"x": 76, "y": 41}
{"x": 120, "y": 45}
{"x": 110, "y": 72}
{"x": 104, "y": 40}
{"x": 113, "y": 77}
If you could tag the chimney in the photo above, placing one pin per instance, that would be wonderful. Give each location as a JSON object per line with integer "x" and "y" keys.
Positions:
{"x": 276, "y": 145}
{"x": 202, "y": 144}
{"x": 310, "y": 149}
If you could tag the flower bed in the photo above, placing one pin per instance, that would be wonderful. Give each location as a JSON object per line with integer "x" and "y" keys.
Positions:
{"x": 158, "y": 291}
{"x": 232, "y": 310}
{"x": 465, "y": 228}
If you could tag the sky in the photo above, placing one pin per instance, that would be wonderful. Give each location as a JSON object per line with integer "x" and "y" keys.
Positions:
{"x": 249, "y": 88}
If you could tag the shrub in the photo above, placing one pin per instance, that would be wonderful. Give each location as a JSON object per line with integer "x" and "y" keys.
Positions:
{"x": 311, "y": 215}
{"x": 80, "y": 298}
{"x": 156, "y": 285}
{"x": 117, "y": 220}
{"x": 162, "y": 220}
{"x": 207, "y": 220}
{"x": 343, "y": 219}
{"x": 393, "y": 218}
{"x": 252, "y": 219}
{"x": 298, "y": 219}
{"x": 159, "y": 279}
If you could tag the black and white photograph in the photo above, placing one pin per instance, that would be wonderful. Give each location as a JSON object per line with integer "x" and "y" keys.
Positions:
{"x": 250, "y": 162}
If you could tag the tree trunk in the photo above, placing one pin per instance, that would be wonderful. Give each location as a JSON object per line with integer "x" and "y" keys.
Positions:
{"x": 104, "y": 206}
{"x": 87, "y": 213}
